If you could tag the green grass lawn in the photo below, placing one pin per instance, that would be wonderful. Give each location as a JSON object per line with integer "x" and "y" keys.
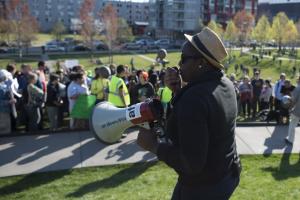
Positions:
{"x": 85, "y": 60}
{"x": 269, "y": 68}
{"x": 275, "y": 52}
{"x": 263, "y": 178}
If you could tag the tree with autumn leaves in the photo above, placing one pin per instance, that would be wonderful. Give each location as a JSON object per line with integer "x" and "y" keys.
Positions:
{"x": 231, "y": 34}
{"x": 244, "y": 22}
{"x": 284, "y": 30}
{"x": 216, "y": 27}
{"x": 88, "y": 29}
{"x": 109, "y": 19}
{"x": 262, "y": 31}
{"x": 21, "y": 24}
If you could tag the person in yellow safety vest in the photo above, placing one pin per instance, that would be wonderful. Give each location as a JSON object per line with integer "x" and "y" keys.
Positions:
{"x": 99, "y": 86}
{"x": 165, "y": 95}
{"x": 118, "y": 93}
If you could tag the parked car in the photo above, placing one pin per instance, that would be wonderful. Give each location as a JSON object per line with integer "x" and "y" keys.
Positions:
{"x": 81, "y": 47}
{"x": 102, "y": 46}
{"x": 147, "y": 44}
{"x": 4, "y": 44}
{"x": 69, "y": 39}
{"x": 132, "y": 46}
{"x": 270, "y": 44}
{"x": 162, "y": 43}
{"x": 54, "y": 48}
{"x": 3, "y": 50}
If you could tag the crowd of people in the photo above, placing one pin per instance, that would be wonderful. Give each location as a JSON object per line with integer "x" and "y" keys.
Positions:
{"x": 256, "y": 94}
{"x": 31, "y": 96}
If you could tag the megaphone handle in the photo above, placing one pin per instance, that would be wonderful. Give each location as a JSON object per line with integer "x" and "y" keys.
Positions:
{"x": 157, "y": 129}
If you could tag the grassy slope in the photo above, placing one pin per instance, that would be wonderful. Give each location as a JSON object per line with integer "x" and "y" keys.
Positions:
{"x": 269, "y": 68}
{"x": 274, "y": 177}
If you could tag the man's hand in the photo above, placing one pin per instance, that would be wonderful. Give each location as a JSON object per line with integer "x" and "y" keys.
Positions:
{"x": 147, "y": 140}
{"x": 173, "y": 80}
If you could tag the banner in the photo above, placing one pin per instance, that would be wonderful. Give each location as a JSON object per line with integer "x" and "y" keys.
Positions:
{"x": 71, "y": 63}
{"x": 83, "y": 107}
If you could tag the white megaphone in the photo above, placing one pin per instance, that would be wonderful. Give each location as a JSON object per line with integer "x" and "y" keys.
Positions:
{"x": 108, "y": 122}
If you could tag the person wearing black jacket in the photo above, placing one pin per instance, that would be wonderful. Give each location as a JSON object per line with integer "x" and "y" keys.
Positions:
{"x": 201, "y": 145}
{"x": 54, "y": 101}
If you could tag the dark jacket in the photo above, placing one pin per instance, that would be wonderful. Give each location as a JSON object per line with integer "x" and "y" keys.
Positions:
{"x": 52, "y": 95}
{"x": 201, "y": 127}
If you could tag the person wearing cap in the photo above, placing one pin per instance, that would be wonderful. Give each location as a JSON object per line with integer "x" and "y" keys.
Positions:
{"x": 200, "y": 128}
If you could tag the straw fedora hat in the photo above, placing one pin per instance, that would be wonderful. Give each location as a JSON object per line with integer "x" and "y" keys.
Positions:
{"x": 208, "y": 43}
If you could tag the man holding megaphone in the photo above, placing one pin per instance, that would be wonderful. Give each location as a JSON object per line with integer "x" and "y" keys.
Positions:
{"x": 201, "y": 125}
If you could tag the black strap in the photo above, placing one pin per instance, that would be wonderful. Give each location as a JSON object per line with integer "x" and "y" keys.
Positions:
{"x": 202, "y": 47}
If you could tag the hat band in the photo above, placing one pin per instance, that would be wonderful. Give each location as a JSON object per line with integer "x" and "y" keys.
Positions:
{"x": 203, "y": 48}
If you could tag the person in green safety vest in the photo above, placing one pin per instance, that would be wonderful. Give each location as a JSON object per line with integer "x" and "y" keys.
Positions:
{"x": 164, "y": 94}
{"x": 118, "y": 93}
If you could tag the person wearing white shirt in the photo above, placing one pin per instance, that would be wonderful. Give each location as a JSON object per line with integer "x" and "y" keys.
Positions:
{"x": 76, "y": 88}
{"x": 277, "y": 91}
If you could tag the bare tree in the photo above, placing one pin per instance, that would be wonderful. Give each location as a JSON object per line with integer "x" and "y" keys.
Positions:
{"x": 88, "y": 28}
{"x": 5, "y": 30}
{"x": 58, "y": 30}
{"x": 124, "y": 33}
{"x": 109, "y": 18}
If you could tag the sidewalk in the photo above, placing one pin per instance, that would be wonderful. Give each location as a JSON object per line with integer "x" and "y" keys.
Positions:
{"x": 39, "y": 153}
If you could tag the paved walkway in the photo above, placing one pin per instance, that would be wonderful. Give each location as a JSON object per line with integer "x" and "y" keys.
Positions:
{"x": 38, "y": 153}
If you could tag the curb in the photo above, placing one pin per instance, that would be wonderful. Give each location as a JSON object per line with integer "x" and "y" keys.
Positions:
{"x": 48, "y": 132}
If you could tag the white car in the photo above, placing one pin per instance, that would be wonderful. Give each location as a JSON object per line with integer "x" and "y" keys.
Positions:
{"x": 132, "y": 46}
{"x": 53, "y": 48}
{"x": 162, "y": 43}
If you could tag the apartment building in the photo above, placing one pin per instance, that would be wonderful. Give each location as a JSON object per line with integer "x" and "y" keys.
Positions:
{"x": 223, "y": 10}
{"x": 271, "y": 7}
{"x": 173, "y": 17}
{"x": 48, "y": 12}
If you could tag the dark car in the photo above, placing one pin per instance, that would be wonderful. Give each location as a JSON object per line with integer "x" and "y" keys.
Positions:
{"x": 2, "y": 50}
{"x": 81, "y": 48}
{"x": 102, "y": 47}
{"x": 4, "y": 44}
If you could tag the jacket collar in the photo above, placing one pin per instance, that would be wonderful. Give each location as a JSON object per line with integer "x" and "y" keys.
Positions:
{"x": 212, "y": 75}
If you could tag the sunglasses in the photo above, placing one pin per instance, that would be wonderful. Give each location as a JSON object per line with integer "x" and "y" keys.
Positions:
{"x": 184, "y": 58}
